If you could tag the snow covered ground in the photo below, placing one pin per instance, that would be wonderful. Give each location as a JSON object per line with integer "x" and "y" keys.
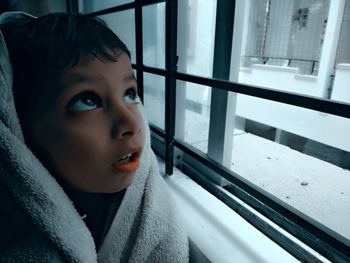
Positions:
{"x": 315, "y": 189}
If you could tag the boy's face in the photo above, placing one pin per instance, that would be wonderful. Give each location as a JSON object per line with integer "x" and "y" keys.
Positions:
{"x": 92, "y": 136}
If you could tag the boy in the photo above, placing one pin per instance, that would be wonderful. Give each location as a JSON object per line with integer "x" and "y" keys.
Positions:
{"x": 94, "y": 191}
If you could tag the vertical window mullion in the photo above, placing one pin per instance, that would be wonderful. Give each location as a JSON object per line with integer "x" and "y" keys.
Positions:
{"x": 139, "y": 47}
{"x": 170, "y": 82}
{"x": 72, "y": 6}
{"x": 220, "y": 141}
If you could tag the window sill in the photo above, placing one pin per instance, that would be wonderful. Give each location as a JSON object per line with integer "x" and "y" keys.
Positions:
{"x": 218, "y": 232}
{"x": 343, "y": 66}
{"x": 306, "y": 77}
{"x": 275, "y": 68}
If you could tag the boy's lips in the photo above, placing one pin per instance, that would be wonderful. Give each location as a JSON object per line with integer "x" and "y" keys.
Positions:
{"x": 129, "y": 165}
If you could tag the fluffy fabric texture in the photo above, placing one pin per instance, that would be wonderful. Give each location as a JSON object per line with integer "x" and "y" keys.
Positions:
{"x": 38, "y": 222}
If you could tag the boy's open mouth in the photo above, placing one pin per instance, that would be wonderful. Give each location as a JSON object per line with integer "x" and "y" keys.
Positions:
{"x": 128, "y": 163}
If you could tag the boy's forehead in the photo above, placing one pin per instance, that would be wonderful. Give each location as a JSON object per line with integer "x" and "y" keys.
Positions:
{"x": 93, "y": 68}
{"x": 90, "y": 69}
{"x": 76, "y": 77}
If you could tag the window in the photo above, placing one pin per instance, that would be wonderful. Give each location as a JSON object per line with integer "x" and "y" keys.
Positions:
{"x": 40, "y": 8}
{"x": 192, "y": 111}
{"x": 285, "y": 34}
{"x": 154, "y": 99}
{"x": 153, "y": 35}
{"x": 116, "y": 22}
{"x": 307, "y": 166}
{"x": 261, "y": 108}
{"x": 91, "y": 6}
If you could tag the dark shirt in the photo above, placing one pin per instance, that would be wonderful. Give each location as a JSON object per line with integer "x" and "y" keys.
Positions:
{"x": 97, "y": 210}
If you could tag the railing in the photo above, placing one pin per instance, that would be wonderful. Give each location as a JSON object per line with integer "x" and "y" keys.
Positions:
{"x": 306, "y": 66}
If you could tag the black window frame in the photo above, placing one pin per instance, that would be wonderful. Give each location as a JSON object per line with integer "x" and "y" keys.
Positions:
{"x": 313, "y": 236}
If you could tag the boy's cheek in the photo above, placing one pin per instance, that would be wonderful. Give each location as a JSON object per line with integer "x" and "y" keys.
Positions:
{"x": 84, "y": 118}
{"x": 143, "y": 137}
{"x": 143, "y": 130}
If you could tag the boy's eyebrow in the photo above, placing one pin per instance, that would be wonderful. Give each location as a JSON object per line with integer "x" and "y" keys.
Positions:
{"x": 74, "y": 78}
{"x": 79, "y": 78}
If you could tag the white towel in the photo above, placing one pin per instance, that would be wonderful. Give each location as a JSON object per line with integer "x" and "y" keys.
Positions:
{"x": 38, "y": 222}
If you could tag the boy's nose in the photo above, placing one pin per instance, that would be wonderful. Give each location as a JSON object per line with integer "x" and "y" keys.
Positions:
{"x": 125, "y": 123}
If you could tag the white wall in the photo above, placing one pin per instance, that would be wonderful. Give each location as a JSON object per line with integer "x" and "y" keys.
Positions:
{"x": 325, "y": 128}
{"x": 341, "y": 88}
{"x": 305, "y": 42}
{"x": 330, "y": 44}
{"x": 287, "y": 79}
{"x": 279, "y": 29}
{"x": 281, "y": 78}
{"x": 343, "y": 54}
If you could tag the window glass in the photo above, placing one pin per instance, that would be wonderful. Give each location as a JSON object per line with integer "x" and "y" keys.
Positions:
{"x": 88, "y": 6}
{"x": 339, "y": 90}
{"x": 57, "y": 6}
{"x": 287, "y": 46}
{"x": 154, "y": 35}
{"x": 154, "y": 98}
{"x": 343, "y": 54}
{"x": 192, "y": 114}
{"x": 298, "y": 155}
{"x": 37, "y": 8}
{"x": 123, "y": 24}
{"x": 285, "y": 34}
{"x": 195, "y": 49}
{"x": 196, "y": 27}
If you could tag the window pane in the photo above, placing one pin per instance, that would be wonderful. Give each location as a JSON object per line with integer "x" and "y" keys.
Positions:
{"x": 36, "y": 8}
{"x": 299, "y": 156}
{"x": 192, "y": 114}
{"x": 343, "y": 54}
{"x": 123, "y": 24}
{"x": 87, "y": 6}
{"x": 196, "y": 26}
{"x": 340, "y": 88}
{"x": 287, "y": 45}
{"x": 57, "y": 6}
{"x": 154, "y": 35}
{"x": 286, "y": 34}
{"x": 154, "y": 98}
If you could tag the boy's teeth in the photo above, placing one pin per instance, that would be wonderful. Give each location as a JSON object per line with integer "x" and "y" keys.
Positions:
{"x": 125, "y": 158}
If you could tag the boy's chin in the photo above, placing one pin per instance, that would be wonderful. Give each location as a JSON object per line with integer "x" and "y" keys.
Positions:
{"x": 110, "y": 189}
{"x": 118, "y": 187}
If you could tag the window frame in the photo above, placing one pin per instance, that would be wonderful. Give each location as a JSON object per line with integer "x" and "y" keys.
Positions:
{"x": 192, "y": 160}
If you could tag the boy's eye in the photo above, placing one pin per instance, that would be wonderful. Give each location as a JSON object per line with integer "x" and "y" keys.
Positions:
{"x": 131, "y": 96}
{"x": 84, "y": 102}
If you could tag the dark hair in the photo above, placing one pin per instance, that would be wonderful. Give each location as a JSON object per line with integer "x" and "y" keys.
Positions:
{"x": 39, "y": 46}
